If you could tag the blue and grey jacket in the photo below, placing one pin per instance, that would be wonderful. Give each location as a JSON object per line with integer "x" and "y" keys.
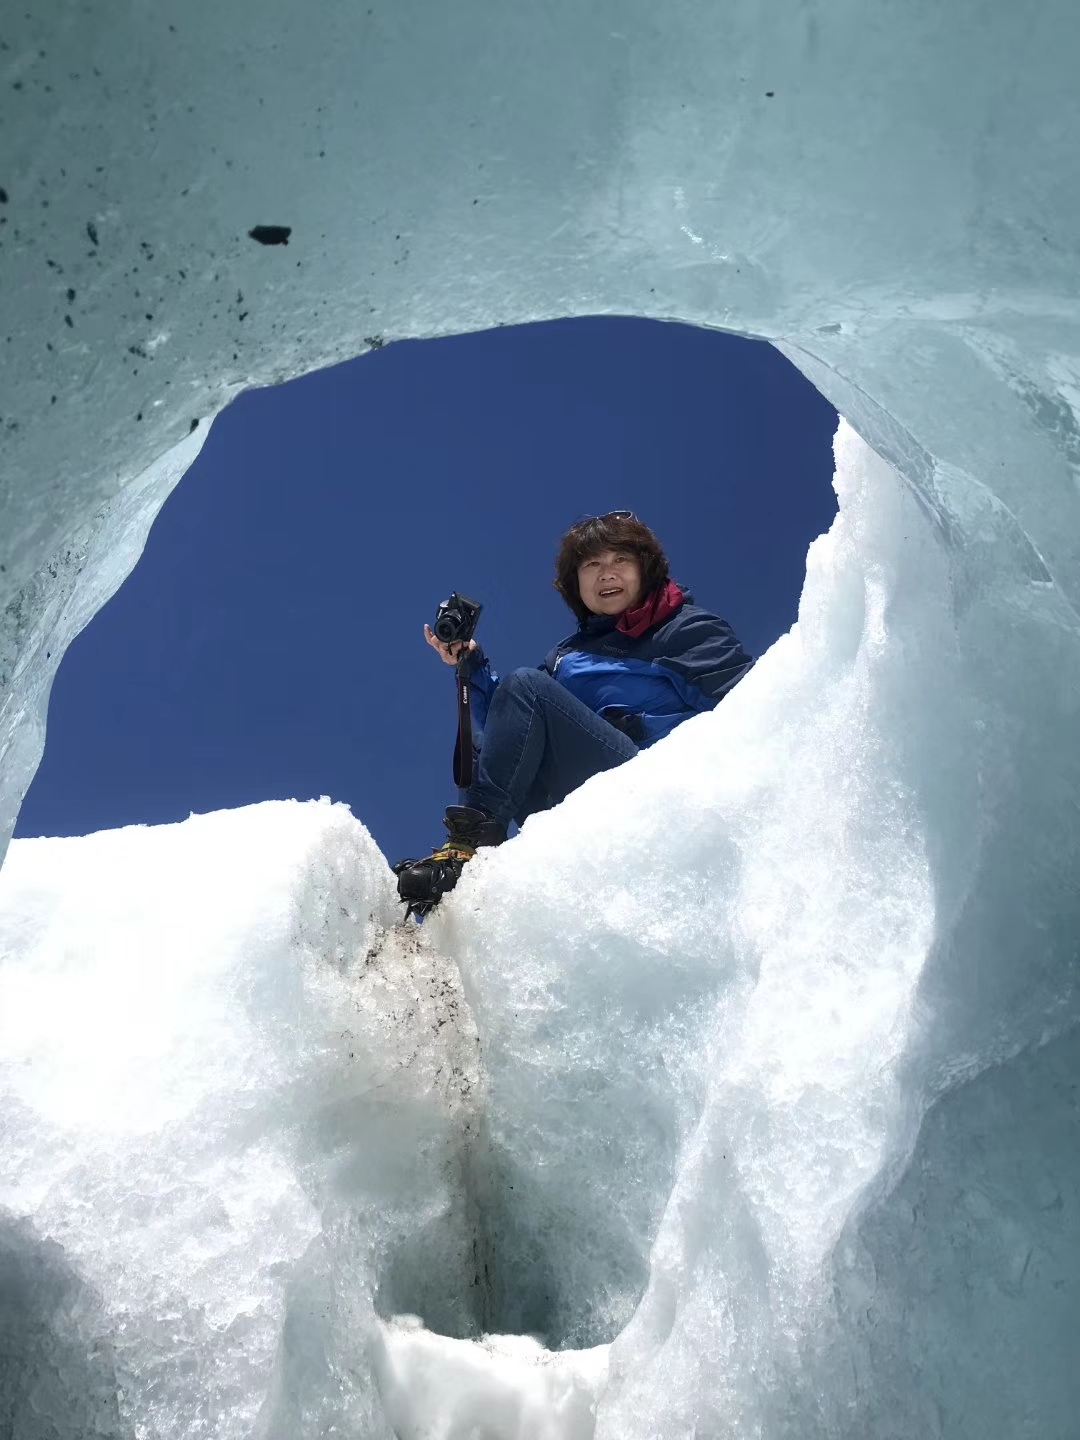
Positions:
{"x": 683, "y": 666}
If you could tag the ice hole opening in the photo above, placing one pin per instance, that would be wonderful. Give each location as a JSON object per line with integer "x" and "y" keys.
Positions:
{"x": 284, "y": 584}
{"x": 487, "y": 1268}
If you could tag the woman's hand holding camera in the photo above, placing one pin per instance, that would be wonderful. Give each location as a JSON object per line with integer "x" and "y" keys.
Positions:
{"x": 448, "y": 654}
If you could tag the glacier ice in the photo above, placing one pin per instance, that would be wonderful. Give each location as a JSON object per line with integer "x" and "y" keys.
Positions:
{"x": 791, "y": 1131}
{"x": 196, "y": 1088}
{"x": 735, "y": 1096}
{"x": 232, "y": 1138}
{"x": 824, "y": 927}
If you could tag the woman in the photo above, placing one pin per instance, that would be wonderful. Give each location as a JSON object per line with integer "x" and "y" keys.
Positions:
{"x": 643, "y": 659}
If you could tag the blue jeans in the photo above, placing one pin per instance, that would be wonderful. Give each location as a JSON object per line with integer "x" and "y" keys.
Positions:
{"x": 538, "y": 744}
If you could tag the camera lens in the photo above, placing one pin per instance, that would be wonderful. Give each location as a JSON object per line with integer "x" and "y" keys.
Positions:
{"x": 447, "y": 626}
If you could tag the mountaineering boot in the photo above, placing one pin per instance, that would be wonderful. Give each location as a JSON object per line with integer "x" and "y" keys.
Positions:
{"x": 423, "y": 883}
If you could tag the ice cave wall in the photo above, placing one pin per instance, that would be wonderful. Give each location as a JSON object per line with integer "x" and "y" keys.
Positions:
{"x": 888, "y": 194}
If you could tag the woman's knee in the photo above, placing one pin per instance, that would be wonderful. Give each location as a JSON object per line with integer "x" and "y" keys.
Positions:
{"x": 525, "y": 681}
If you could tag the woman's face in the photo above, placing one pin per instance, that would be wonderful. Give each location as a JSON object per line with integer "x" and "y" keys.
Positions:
{"x": 610, "y": 582}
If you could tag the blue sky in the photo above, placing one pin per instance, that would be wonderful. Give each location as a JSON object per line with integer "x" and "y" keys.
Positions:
{"x": 269, "y": 643}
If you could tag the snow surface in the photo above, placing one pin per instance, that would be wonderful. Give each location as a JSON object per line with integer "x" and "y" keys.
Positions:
{"x": 736, "y": 1096}
{"x": 777, "y": 1024}
{"x": 220, "y": 1106}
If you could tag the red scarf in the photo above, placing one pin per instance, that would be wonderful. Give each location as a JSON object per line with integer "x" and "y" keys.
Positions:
{"x": 661, "y": 605}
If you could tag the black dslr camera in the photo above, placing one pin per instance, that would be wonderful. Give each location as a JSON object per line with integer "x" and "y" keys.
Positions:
{"x": 455, "y": 620}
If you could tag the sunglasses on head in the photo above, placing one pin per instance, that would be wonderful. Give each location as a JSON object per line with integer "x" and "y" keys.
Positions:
{"x": 608, "y": 515}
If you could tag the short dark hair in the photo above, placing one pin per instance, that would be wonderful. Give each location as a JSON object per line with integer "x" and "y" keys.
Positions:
{"x": 617, "y": 531}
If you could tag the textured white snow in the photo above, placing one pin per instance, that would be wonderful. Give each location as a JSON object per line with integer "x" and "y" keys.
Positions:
{"x": 507, "y": 1387}
{"x": 220, "y": 1107}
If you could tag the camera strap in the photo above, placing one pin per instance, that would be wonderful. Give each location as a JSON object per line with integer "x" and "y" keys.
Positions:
{"x": 463, "y": 750}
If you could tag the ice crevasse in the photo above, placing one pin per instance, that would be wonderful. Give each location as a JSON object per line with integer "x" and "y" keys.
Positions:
{"x": 736, "y": 1096}
{"x": 739, "y": 1095}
